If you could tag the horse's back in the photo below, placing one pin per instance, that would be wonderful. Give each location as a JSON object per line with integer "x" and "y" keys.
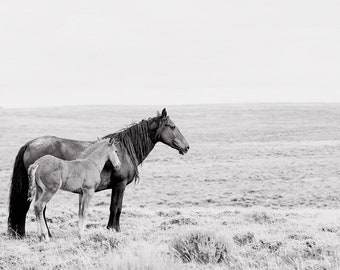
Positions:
{"x": 49, "y": 160}
{"x": 65, "y": 149}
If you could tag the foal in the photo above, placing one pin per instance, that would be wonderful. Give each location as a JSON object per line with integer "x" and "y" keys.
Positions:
{"x": 49, "y": 174}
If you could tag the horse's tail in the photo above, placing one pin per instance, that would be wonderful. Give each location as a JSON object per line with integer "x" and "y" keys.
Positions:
{"x": 18, "y": 204}
{"x": 32, "y": 186}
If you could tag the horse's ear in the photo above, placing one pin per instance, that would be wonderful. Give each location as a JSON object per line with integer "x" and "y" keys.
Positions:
{"x": 158, "y": 114}
{"x": 98, "y": 139}
{"x": 164, "y": 113}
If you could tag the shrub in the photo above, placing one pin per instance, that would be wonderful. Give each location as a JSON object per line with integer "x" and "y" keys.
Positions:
{"x": 261, "y": 217}
{"x": 181, "y": 221}
{"x": 100, "y": 238}
{"x": 243, "y": 239}
{"x": 200, "y": 247}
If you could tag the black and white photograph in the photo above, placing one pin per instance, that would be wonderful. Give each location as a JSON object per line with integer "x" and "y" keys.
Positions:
{"x": 163, "y": 135}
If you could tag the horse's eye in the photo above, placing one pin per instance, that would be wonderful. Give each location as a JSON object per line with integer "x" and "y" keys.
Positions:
{"x": 170, "y": 126}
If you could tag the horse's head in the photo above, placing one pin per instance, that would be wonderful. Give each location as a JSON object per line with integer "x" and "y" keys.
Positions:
{"x": 113, "y": 155}
{"x": 167, "y": 132}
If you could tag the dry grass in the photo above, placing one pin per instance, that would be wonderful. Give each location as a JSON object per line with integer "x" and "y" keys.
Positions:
{"x": 258, "y": 190}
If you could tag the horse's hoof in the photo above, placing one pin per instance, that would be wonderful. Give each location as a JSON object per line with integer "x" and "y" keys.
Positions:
{"x": 110, "y": 228}
{"x": 15, "y": 234}
{"x": 117, "y": 229}
{"x": 44, "y": 238}
{"x": 80, "y": 233}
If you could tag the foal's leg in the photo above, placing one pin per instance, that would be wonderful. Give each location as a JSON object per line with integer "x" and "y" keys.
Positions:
{"x": 80, "y": 212}
{"x": 37, "y": 209}
{"x": 39, "y": 205}
{"x": 84, "y": 199}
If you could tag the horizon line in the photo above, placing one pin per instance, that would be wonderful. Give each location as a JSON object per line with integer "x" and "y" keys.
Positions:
{"x": 175, "y": 105}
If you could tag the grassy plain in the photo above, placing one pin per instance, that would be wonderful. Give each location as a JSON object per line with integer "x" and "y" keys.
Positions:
{"x": 259, "y": 189}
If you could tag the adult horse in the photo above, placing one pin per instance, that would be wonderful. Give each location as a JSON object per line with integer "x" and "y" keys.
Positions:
{"x": 133, "y": 143}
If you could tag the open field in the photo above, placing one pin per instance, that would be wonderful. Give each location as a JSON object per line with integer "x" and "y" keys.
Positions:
{"x": 259, "y": 189}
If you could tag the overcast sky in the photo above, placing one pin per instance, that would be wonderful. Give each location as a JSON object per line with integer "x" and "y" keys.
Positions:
{"x": 168, "y": 52}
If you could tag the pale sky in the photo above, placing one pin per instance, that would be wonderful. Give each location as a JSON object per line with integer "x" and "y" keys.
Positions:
{"x": 168, "y": 52}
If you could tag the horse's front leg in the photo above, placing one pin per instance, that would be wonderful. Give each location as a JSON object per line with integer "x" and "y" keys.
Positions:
{"x": 116, "y": 205}
{"x": 84, "y": 202}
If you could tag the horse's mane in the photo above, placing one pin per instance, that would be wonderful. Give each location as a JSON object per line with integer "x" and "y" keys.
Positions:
{"x": 136, "y": 140}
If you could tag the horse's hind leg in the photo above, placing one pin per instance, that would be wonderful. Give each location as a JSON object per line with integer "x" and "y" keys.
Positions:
{"x": 39, "y": 207}
{"x": 37, "y": 210}
{"x": 84, "y": 201}
{"x": 48, "y": 229}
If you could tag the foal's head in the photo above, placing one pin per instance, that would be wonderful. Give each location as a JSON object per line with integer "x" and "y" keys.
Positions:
{"x": 113, "y": 154}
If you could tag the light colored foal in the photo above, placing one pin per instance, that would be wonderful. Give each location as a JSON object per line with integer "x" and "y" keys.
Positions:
{"x": 49, "y": 174}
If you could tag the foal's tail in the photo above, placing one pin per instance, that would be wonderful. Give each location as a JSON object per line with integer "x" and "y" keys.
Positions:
{"x": 32, "y": 181}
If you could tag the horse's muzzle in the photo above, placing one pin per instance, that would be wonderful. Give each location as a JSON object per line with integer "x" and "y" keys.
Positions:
{"x": 181, "y": 149}
{"x": 184, "y": 150}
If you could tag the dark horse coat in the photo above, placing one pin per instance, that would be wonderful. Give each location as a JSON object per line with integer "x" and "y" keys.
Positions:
{"x": 133, "y": 143}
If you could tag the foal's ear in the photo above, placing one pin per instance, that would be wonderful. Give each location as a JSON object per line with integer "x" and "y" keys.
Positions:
{"x": 164, "y": 113}
{"x": 158, "y": 114}
{"x": 111, "y": 141}
{"x": 98, "y": 139}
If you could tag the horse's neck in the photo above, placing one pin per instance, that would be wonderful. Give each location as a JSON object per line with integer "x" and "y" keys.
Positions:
{"x": 98, "y": 157}
{"x": 151, "y": 145}
{"x": 147, "y": 141}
